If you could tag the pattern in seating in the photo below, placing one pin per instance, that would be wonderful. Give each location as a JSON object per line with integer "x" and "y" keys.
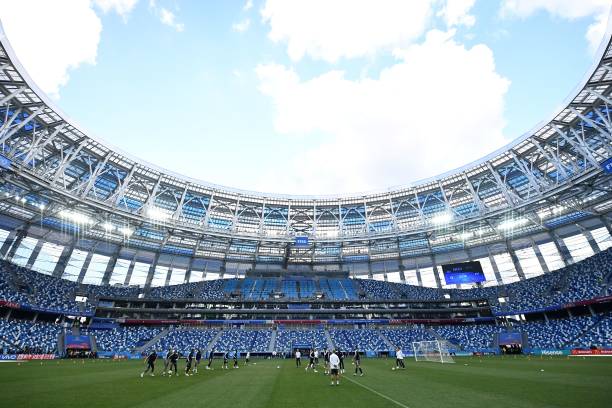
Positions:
{"x": 123, "y": 338}
{"x": 403, "y": 338}
{"x": 363, "y": 339}
{"x": 244, "y": 340}
{"x": 285, "y": 339}
{"x": 184, "y": 339}
{"x": 17, "y": 336}
{"x": 469, "y": 337}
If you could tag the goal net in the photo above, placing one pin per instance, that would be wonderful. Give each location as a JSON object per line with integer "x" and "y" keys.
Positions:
{"x": 436, "y": 351}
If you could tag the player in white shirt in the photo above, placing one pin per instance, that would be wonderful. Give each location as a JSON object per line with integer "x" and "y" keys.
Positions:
{"x": 399, "y": 359}
{"x": 334, "y": 364}
{"x": 298, "y": 358}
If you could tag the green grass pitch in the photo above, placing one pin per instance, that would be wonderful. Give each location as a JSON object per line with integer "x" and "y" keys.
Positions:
{"x": 470, "y": 382}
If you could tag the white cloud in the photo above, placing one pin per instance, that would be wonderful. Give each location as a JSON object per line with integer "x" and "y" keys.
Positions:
{"x": 438, "y": 107}
{"x": 330, "y": 30}
{"x": 122, "y": 7}
{"x": 248, "y": 5}
{"x": 596, "y": 31}
{"x": 241, "y": 26}
{"x": 58, "y": 37}
{"x": 166, "y": 17}
{"x": 567, "y": 9}
{"x": 456, "y": 12}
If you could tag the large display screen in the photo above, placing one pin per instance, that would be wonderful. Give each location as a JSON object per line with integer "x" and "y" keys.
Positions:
{"x": 510, "y": 338}
{"x": 466, "y": 272}
{"x": 77, "y": 342}
{"x": 301, "y": 241}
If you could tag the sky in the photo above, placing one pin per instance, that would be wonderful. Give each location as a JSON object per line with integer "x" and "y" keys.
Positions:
{"x": 307, "y": 97}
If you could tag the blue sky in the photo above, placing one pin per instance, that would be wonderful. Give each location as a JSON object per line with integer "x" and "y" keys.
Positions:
{"x": 307, "y": 97}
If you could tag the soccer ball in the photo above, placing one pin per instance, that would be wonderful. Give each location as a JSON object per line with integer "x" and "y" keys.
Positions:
{"x": 277, "y": 366}
{"x": 393, "y": 368}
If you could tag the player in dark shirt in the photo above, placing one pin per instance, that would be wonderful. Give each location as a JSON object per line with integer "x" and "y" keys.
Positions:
{"x": 311, "y": 363}
{"x": 211, "y": 356}
{"x": 225, "y": 357}
{"x": 150, "y": 364}
{"x": 326, "y": 355}
{"x": 189, "y": 362}
{"x": 341, "y": 357}
{"x": 198, "y": 357}
{"x": 357, "y": 361}
{"x": 236, "y": 359}
{"x": 173, "y": 360}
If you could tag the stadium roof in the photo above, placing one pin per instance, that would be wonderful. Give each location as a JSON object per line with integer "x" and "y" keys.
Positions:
{"x": 59, "y": 176}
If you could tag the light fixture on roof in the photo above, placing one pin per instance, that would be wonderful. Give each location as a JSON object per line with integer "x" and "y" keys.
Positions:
{"x": 126, "y": 231}
{"x": 41, "y": 206}
{"x": 551, "y": 211}
{"x": 512, "y": 224}
{"x": 442, "y": 218}
{"x": 466, "y": 235}
{"x": 158, "y": 214}
{"x": 75, "y": 217}
{"x": 108, "y": 227}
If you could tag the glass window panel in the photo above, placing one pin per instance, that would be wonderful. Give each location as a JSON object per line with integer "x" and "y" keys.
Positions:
{"x": 506, "y": 268}
{"x": 159, "y": 277}
{"x": 47, "y": 258}
{"x": 74, "y": 265}
{"x": 22, "y": 255}
{"x": 196, "y": 276}
{"x": 379, "y": 276}
{"x": 96, "y": 269}
{"x": 411, "y": 277}
{"x": 211, "y": 276}
{"x": 139, "y": 274}
{"x": 489, "y": 273}
{"x": 428, "y": 278}
{"x": 178, "y": 276}
{"x": 551, "y": 256}
{"x": 120, "y": 272}
{"x": 579, "y": 247}
{"x": 602, "y": 237}
{"x": 394, "y": 277}
{"x": 529, "y": 262}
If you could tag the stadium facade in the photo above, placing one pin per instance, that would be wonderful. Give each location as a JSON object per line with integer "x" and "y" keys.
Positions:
{"x": 73, "y": 206}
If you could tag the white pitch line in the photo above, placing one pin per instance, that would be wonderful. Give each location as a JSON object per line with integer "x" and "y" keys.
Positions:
{"x": 377, "y": 393}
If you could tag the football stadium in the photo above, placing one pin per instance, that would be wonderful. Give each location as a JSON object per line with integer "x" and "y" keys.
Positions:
{"x": 125, "y": 284}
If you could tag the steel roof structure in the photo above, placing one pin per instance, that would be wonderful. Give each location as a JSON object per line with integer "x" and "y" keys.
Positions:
{"x": 60, "y": 182}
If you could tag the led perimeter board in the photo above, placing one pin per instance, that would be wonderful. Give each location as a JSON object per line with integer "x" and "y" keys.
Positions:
{"x": 466, "y": 272}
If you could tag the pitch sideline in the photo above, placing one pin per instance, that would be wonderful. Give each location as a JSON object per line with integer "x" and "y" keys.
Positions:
{"x": 377, "y": 393}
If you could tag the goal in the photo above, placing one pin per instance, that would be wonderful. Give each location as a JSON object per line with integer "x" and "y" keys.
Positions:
{"x": 435, "y": 351}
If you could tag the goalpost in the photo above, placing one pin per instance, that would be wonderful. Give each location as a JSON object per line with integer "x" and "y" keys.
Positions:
{"x": 435, "y": 351}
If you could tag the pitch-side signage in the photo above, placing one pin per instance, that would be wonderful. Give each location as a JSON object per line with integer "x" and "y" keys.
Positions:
{"x": 27, "y": 356}
{"x": 594, "y": 352}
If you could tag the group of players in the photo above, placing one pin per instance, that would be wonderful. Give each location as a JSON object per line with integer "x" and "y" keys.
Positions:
{"x": 192, "y": 362}
{"x": 333, "y": 363}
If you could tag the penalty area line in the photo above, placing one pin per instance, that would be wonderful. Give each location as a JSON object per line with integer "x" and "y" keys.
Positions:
{"x": 377, "y": 393}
